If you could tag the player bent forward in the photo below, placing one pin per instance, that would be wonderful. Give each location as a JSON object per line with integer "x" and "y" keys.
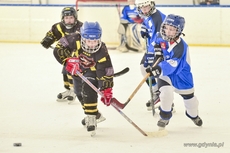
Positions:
{"x": 91, "y": 58}
{"x": 174, "y": 71}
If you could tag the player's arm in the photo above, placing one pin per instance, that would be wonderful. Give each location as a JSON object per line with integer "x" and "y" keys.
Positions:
{"x": 62, "y": 50}
{"x": 105, "y": 72}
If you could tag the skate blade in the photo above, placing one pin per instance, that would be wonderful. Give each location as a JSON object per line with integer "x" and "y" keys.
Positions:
{"x": 100, "y": 119}
{"x": 62, "y": 100}
{"x": 159, "y": 133}
{"x": 71, "y": 102}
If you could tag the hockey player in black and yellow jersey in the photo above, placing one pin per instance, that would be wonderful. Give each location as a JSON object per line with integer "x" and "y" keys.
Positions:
{"x": 69, "y": 24}
{"x": 90, "y": 57}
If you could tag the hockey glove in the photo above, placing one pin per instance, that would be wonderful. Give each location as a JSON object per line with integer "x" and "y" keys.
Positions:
{"x": 108, "y": 95}
{"x": 72, "y": 65}
{"x": 154, "y": 71}
{"x": 149, "y": 58}
{"x": 158, "y": 53}
{"x": 144, "y": 32}
{"x": 47, "y": 42}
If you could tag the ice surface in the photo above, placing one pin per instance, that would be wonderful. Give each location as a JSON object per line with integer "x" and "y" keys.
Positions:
{"x": 30, "y": 79}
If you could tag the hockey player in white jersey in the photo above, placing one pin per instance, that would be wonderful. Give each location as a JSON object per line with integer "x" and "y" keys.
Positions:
{"x": 129, "y": 29}
{"x": 173, "y": 73}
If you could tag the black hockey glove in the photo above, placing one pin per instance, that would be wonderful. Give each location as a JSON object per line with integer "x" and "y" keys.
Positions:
{"x": 154, "y": 71}
{"x": 47, "y": 42}
{"x": 158, "y": 53}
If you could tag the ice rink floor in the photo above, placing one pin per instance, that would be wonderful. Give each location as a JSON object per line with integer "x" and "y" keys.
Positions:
{"x": 30, "y": 79}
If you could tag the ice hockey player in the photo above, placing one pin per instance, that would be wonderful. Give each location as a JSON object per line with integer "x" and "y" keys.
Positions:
{"x": 69, "y": 24}
{"x": 92, "y": 59}
{"x": 129, "y": 29}
{"x": 150, "y": 26}
{"x": 173, "y": 73}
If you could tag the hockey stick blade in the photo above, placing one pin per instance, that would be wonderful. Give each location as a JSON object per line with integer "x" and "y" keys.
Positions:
{"x": 122, "y": 105}
{"x": 121, "y": 72}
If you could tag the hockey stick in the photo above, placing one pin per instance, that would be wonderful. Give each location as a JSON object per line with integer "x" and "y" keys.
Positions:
{"x": 114, "y": 105}
{"x": 125, "y": 70}
{"x": 122, "y": 105}
{"x": 150, "y": 83}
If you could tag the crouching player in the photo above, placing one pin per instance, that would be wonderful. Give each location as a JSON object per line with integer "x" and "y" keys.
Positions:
{"x": 173, "y": 73}
{"x": 129, "y": 29}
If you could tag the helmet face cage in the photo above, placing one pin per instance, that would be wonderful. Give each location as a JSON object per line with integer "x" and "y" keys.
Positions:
{"x": 175, "y": 21}
{"x": 69, "y": 11}
{"x": 143, "y": 3}
{"x": 90, "y": 31}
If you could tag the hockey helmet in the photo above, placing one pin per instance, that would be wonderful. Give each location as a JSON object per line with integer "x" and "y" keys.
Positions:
{"x": 176, "y": 21}
{"x": 91, "y": 33}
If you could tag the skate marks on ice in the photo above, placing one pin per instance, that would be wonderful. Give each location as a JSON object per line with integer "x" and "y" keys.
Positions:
{"x": 160, "y": 133}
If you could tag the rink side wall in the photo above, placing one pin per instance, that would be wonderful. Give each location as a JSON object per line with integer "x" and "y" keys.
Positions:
{"x": 205, "y": 26}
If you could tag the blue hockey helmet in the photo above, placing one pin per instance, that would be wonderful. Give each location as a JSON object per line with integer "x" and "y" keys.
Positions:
{"x": 177, "y": 22}
{"x": 91, "y": 31}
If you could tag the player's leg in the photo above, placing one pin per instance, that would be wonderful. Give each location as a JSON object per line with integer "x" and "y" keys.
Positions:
{"x": 166, "y": 97}
{"x": 154, "y": 86}
{"x": 191, "y": 105}
{"x": 135, "y": 41}
{"x": 69, "y": 94}
{"x": 122, "y": 37}
{"x": 90, "y": 105}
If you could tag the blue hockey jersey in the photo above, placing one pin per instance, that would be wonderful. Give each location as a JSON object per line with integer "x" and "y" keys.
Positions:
{"x": 153, "y": 24}
{"x": 176, "y": 64}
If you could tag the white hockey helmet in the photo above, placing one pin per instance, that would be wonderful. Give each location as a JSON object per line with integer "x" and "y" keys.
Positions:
{"x": 143, "y": 3}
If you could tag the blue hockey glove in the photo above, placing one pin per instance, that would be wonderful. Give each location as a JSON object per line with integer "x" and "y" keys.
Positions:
{"x": 149, "y": 58}
{"x": 144, "y": 32}
{"x": 158, "y": 53}
{"x": 154, "y": 71}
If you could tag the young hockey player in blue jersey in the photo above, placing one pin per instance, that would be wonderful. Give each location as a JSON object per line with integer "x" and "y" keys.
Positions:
{"x": 150, "y": 26}
{"x": 91, "y": 58}
{"x": 129, "y": 29}
{"x": 173, "y": 73}
{"x": 69, "y": 24}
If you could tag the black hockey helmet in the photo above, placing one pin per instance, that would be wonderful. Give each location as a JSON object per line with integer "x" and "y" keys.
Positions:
{"x": 69, "y": 11}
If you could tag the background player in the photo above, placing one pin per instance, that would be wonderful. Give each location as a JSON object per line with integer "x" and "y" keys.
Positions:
{"x": 69, "y": 24}
{"x": 150, "y": 26}
{"x": 129, "y": 29}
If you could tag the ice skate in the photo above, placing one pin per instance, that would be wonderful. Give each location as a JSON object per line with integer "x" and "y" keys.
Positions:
{"x": 67, "y": 95}
{"x": 197, "y": 120}
{"x": 91, "y": 124}
{"x": 99, "y": 118}
{"x": 162, "y": 124}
